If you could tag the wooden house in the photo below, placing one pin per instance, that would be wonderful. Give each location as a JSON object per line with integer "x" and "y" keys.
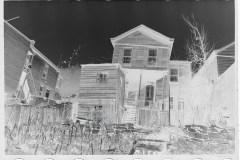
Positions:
{"x": 102, "y": 85}
{"x": 40, "y": 78}
{"x": 214, "y": 90}
{"x": 145, "y": 55}
{"x": 16, "y": 49}
{"x": 27, "y": 71}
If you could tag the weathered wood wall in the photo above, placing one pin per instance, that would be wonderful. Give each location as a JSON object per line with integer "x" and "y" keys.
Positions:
{"x": 16, "y": 47}
{"x": 225, "y": 62}
{"x": 90, "y": 89}
{"x": 109, "y": 108}
{"x": 110, "y": 94}
{"x": 120, "y": 94}
{"x": 17, "y": 114}
{"x": 140, "y": 57}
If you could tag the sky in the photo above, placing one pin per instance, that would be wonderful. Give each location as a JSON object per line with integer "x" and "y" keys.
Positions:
{"x": 59, "y": 28}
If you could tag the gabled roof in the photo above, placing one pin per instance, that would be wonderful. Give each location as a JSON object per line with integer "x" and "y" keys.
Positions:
{"x": 45, "y": 58}
{"x": 226, "y": 50}
{"x": 148, "y": 32}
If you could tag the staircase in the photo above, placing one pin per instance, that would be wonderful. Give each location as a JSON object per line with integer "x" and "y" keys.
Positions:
{"x": 130, "y": 115}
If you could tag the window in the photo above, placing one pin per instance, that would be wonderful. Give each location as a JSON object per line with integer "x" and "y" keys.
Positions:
{"x": 171, "y": 102}
{"x": 163, "y": 106}
{"x": 47, "y": 93}
{"x": 45, "y": 71}
{"x": 174, "y": 75}
{"x": 127, "y": 55}
{"x": 40, "y": 90}
{"x": 152, "y": 57}
{"x": 59, "y": 80}
{"x": 102, "y": 78}
{"x": 149, "y": 92}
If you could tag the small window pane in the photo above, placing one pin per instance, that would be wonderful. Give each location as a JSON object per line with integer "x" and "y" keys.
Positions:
{"x": 47, "y": 93}
{"x": 174, "y": 71}
{"x": 171, "y": 99}
{"x": 153, "y": 52}
{"x": 127, "y": 52}
{"x": 174, "y": 79}
{"x": 126, "y": 59}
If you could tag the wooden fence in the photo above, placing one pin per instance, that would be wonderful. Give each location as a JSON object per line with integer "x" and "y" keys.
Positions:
{"x": 110, "y": 111}
{"x": 153, "y": 117}
{"x": 22, "y": 114}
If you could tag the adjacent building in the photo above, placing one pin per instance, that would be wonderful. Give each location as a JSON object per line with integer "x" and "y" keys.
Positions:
{"x": 16, "y": 49}
{"x": 145, "y": 55}
{"x": 101, "y": 87}
{"x": 27, "y": 71}
{"x": 214, "y": 90}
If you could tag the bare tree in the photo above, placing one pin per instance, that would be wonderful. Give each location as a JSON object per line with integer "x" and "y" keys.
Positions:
{"x": 197, "y": 47}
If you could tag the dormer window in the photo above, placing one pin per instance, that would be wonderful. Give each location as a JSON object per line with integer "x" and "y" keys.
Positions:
{"x": 45, "y": 71}
{"x": 152, "y": 57}
{"x": 127, "y": 56}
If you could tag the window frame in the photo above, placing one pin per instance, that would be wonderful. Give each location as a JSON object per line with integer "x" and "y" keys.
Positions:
{"x": 60, "y": 81}
{"x": 149, "y": 56}
{"x": 130, "y": 61}
{"x": 152, "y": 92}
{"x": 48, "y": 93}
{"x": 41, "y": 92}
{"x": 174, "y": 75}
{"x": 105, "y": 81}
{"x": 45, "y": 71}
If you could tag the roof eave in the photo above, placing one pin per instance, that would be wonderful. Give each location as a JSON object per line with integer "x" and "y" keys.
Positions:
{"x": 45, "y": 58}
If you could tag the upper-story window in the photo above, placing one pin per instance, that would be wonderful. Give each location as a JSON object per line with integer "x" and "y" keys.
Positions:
{"x": 40, "y": 90}
{"x": 174, "y": 75}
{"x": 127, "y": 55}
{"x": 59, "y": 80}
{"x": 102, "y": 77}
{"x": 152, "y": 57}
{"x": 45, "y": 71}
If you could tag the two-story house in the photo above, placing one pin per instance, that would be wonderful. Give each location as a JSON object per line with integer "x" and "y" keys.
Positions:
{"x": 214, "y": 90}
{"x": 145, "y": 55}
{"x": 40, "y": 77}
{"x": 27, "y": 71}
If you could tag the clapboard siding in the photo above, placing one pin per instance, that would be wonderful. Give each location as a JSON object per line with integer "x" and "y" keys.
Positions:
{"x": 110, "y": 95}
{"x": 90, "y": 89}
{"x": 224, "y": 63}
{"x": 140, "y": 57}
{"x": 51, "y": 80}
{"x": 229, "y": 51}
{"x": 225, "y": 58}
{"x": 16, "y": 47}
